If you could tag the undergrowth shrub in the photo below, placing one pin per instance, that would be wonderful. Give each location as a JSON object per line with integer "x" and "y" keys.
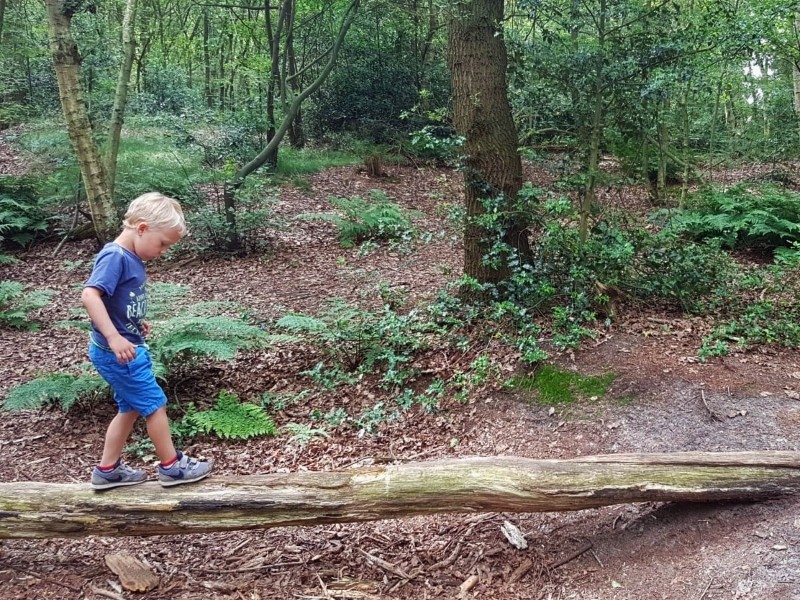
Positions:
{"x": 436, "y": 142}
{"x": 376, "y": 219}
{"x": 231, "y": 419}
{"x": 742, "y": 216}
{"x": 16, "y": 304}
{"x": 182, "y": 335}
{"x": 254, "y": 216}
{"x": 23, "y": 217}
{"x": 65, "y": 389}
{"x": 766, "y": 310}
{"x": 571, "y": 285}
{"x": 358, "y": 340}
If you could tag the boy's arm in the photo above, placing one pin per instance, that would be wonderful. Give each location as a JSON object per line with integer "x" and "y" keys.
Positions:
{"x": 93, "y": 302}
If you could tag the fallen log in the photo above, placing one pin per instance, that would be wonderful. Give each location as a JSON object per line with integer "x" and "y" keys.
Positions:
{"x": 462, "y": 485}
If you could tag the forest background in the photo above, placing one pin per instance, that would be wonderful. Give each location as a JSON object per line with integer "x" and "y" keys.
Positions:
{"x": 596, "y": 163}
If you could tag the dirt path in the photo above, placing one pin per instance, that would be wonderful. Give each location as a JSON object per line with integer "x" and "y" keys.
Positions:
{"x": 661, "y": 400}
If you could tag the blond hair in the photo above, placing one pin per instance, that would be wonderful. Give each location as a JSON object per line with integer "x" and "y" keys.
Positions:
{"x": 157, "y": 210}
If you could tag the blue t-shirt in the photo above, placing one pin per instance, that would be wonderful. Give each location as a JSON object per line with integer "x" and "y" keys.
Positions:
{"x": 121, "y": 276}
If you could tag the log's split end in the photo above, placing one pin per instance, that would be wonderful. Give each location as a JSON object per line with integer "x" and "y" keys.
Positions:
{"x": 463, "y": 485}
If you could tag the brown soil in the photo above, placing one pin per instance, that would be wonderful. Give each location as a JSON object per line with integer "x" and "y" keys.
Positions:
{"x": 661, "y": 401}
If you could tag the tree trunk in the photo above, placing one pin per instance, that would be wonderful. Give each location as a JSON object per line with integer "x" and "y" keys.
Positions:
{"x": 297, "y": 136}
{"x": 121, "y": 95}
{"x": 207, "y": 61}
{"x": 67, "y": 66}
{"x": 596, "y": 131}
{"x": 464, "y": 485}
{"x": 482, "y": 115}
{"x": 273, "y": 84}
{"x": 232, "y": 186}
{"x": 2, "y": 18}
{"x": 686, "y": 131}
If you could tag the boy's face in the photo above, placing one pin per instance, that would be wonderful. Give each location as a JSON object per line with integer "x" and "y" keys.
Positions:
{"x": 151, "y": 243}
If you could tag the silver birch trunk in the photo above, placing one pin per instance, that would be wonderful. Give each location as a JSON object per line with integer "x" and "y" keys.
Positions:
{"x": 67, "y": 67}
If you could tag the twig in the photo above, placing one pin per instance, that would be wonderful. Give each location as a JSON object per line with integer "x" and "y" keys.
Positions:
{"x": 597, "y": 559}
{"x": 293, "y": 563}
{"x": 108, "y": 594}
{"x": 69, "y": 231}
{"x": 323, "y": 586}
{"x": 520, "y": 571}
{"x": 585, "y": 548}
{"x": 711, "y": 412}
{"x": 385, "y": 565}
{"x": 40, "y": 577}
{"x": 705, "y": 591}
{"x": 450, "y": 559}
{"x": 470, "y": 583}
{"x": 238, "y": 547}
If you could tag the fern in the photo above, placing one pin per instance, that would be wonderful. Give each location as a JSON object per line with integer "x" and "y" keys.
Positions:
{"x": 231, "y": 419}
{"x": 186, "y": 338}
{"x": 359, "y": 339}
{"x": 165, "y": 300}
{"x": 22, "y": 219}
{"x": 176, "y": 340}
{"x": 64, "y": 388}
{"x": 741, "y": 216}
{"x": 375, "y": 219}
{"x": 16, "y": 304}
{"x": 303, "y": 434}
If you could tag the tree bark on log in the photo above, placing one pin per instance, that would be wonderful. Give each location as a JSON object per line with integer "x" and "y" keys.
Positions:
{"x": 463, "y": 485}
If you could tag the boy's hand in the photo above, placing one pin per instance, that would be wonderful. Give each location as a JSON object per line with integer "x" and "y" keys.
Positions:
{"x": 122, "y": 348}
{"x": 146, "y": 328}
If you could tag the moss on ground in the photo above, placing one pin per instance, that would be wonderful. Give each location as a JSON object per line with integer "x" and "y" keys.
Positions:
{"x": 553, "y": 386}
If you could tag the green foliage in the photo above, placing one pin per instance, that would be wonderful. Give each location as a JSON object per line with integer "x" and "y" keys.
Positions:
{"x": 698, "y": 277}
{"x": 254, "y": 217}
{"x": 576, "y": 275}
{"x": 376, "y": 219}
{"x": 765, "y": 312}
{"x": 64, "y": 388}
{"x": 368, "y": 421}
{"x": 554, "y": 386}
{"x": 294, "y": 162}
{"x": 13, "y": 113}
{"x": 181, "y": 340}
{"x": 303, "y": 434}
{"x": 231, "y": 419}
{"x": 23, "y": 218}
{"x": 181, "y": 335}
{"x": 742, "y": 216}
{"x": 16, "y": 304}
{"x": 436, "y": 142}
{"x": 354, "y": 339}
{"x": 329, "y": 377}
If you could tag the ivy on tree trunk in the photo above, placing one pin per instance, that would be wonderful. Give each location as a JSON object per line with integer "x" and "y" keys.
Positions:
{"x": 482, "y": 115}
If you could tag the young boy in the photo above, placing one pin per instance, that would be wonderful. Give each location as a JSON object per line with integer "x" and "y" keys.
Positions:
{"x": 116, "y": 300}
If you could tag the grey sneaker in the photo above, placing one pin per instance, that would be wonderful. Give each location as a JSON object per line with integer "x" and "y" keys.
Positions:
{"x": 120, "y": 475}
{"x": 184, "y": 470}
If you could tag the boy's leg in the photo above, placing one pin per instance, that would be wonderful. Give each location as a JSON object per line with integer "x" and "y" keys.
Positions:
{"x": 116, "y": 435}
{"x": 112, "y": 472}
{"x": 160, "y": 435}
{"x": 175, "y": 468}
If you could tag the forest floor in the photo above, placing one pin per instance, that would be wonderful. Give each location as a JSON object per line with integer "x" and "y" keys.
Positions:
{"x": 662, "y": 400}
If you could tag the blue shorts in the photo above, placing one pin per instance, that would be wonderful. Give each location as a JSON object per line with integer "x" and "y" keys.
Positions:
{"x": 134, "y": 385}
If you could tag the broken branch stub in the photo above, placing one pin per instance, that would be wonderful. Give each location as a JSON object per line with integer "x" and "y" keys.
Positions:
{"x": 461, "y": 485}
